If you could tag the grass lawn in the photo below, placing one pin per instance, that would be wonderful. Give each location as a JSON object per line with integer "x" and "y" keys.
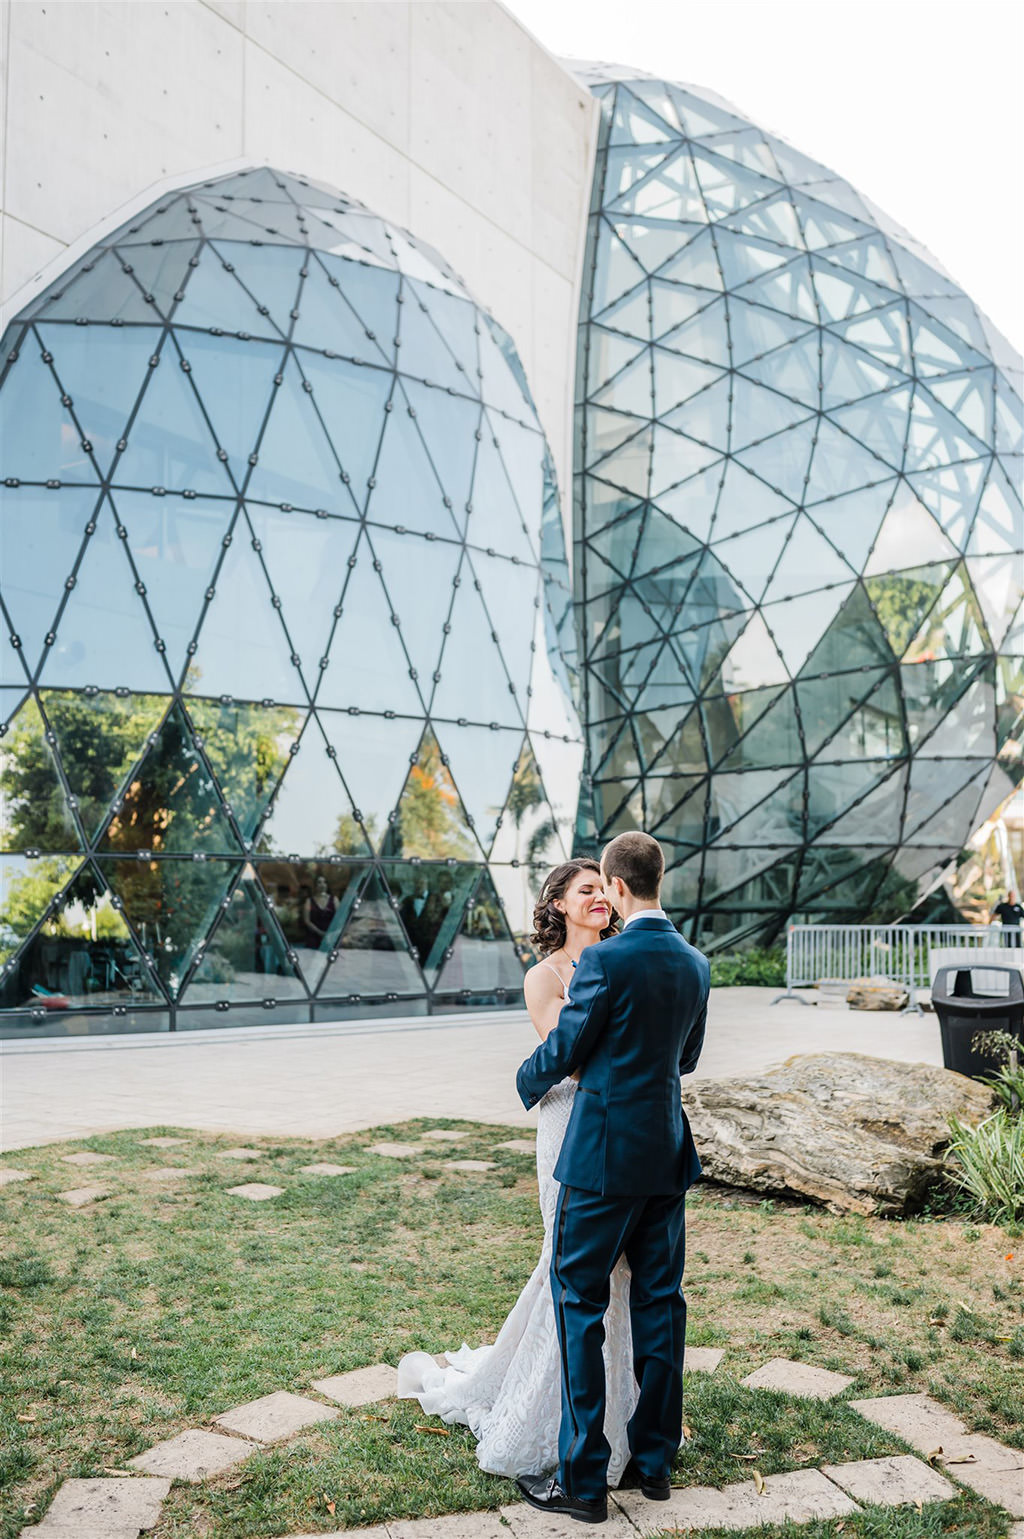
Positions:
{"x": 165, "y": 1304}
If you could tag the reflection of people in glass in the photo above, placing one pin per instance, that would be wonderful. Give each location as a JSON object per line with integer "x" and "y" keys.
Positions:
{"x": 417, "y": 915}
{"x": 1009, "y": 913}
{"x": 318, "y": 912}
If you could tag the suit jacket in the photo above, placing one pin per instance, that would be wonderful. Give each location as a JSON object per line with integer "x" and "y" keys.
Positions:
{"x": 634, "y": 1022}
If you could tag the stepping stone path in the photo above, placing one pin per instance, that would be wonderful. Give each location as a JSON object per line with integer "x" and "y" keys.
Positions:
{"x": 988, "y": 1467}
{"x": 797, "y": 1379}
{"x": 169, "y": 1173}
{"x": 798, "y": 1497}
{"x": 361, "y": 1386}
{"x": 193, "y": 1455}
{"x": 83, "y": 1195}
{"x": 519, "y": 1145}
{"x": 445, "y": 1136}
{"x": 161, "y": 1143}
{"x": 10, "y": 1175}
{"x": 240, "y": 1154}
{"x": 275, "y": 1416}
{"x": 469, "y": 1164}
{"x": 702, "y": 1359}
{"x": 894, "y": 1482}
{"x": 396, "y": 1151}
{"x": 86, "y": 1157}
{"x": 107, "y": 1507}
{"x": 328, "y": 1170}
{"x": 256, "y": 1191}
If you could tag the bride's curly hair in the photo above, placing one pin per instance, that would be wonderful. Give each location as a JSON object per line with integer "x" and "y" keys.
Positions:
{"x": 548, "y": 921}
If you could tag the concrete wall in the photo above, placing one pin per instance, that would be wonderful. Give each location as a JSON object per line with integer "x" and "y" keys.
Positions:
{"x": 446, "y": 117}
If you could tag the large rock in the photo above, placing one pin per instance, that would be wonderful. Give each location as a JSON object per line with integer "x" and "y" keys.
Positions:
{"x": 869, "y": 994}
{"x": 856, "y": 1134}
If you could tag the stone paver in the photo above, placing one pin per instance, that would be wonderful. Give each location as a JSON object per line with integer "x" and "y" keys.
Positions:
{"x": 361, "y": 1386}
{"x": 256, "y": 1191}
{"x": 275, "y": 1416}
{"x": 240, "y": 1153}
{"x": 891, "y": 1482}
{"x": 76, "y": 1530}
{"x": 326, "y": 1169}
{"x": 162, "y": 1143}
{"x": 702, "y": 1359}
{"x": 1016, "y": 1531}
{"x": 10, "y": 1175}
{"x": 107, "y": 1505}
{"x": 169, "y": 1172}
{"x": 193, "y": 1455}
{"x": 348, "y": 1533}
{"x": 987, "y": 1467}
{"x": 83, "y": 1195}
{"x": 86, "y": 1157}
{"x": 519, "y": 1145}
{"x": 797, "y": 1497}
{"x": 797, "y": 1379}
{"x": 395, "y": 1151}
{"x": 445, "y": 1135}
{"x": 469, "y": 1165}
{"x": 526, "y": 1522}
{"x": 461, "y": 1525}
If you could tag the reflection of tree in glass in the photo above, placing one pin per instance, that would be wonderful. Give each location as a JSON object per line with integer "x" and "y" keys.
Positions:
{"x": 349, "y": 838}
{"x": 28, "y": 895}
{"x": 248, "y": 748}
{"x": 430, "y": 820}
{"x": 526, "y": 795}
{"x": 902, "y": 600}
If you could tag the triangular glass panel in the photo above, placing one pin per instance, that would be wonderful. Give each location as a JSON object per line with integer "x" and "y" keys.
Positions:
{"x": 103, "y": 372}
{"x": 34, "y": 813}
{"x": 306, "y": 559}
{"x": 96, "y": 289}
{"x": 449, "y": 426}
{"x": 967, "y": 727}
{"x": 998, "y": 526}
{"x": 524, "y": 455}
{"x": 756, "y": 330}
{"x": 697, "y": 265}
{"x": 783, "y": 461}
{"x": 471, "y": 653}
{"x": 616, "y": 271}
{"x": 902, "y": 599}
{"x": 372, "y": 293}
{"x": 676, "y": 379}
{"x": 744, "y": 257}
{"x": 953, "y": 628}
{"x": 311, "y": 903}
{"x": 876, "y": 816}
{"x": 431, "y": 901}
{"x": 160, "y": 270}
{"x": 271, "y": 273}
{"x": 171, "y": 804}
{"x": 969, "y": 398}
{"x": 502, "y": 386}
{"x": 43, "y": 533}
{"x": 456, "y": 320}
{"x": 418, "y": 578}
{"x": 779, "y": 819}
{"x": 997, "y": 585}
{"x": 11, "y": 697}
{"x": 935, "y": 437}
{"x": 609, "y": 353}
{"x": 526, "y": 833}
{"x": 738, "y": 792}
{"x": 369, "y": 678}
{"x": 215, "y": 298}
{"x": 852, "y": 716}
{"x": 496, "y": 522}
{"x": 908, "y": 537}
{"x": 745, "y": 501}
{"x": 296, "y": 461}
{"x": 840, "y": 464}
{"x": 854, "y": 640}
{"x": 560, "y": 762}
{"x": 175, "y": 551}
{"x": 235, "y": 381}
{"x": 606, "y": 431}
{"x": 429, "y": 820}
{"x": 28, "y": 888}
{"x": 943, "y": 786}
{"x": 772, "y": 220}
{"x": 652, "y": 243}
{"x": 373, "y": 754}
{"x": 423, "y": 353}
{"x": 311, "y": 813}
{"x": 879, "y": 423}
{"x": 788, "y": 289}
{"x": 482, "y": 958}
{"x": 40, "y": 441}
{"x": 702, "y": 114}
{"x": 753, "y": 660}
{"x": 326, "y": 320}
{"x": 170, "y": 443}
{"x": 99, "y": 738}
{"x": 882, "y": 334}
{"x": 798, "y": 624}
{"x": 791, "y": 370}
{"x": 243, "y": 649}
{"x": 247, "y": 748}
{"x": 676, "y": 457}
{"x": 632, "y": 315}
{"x": 406, "y": 488}
{"x": 634, "y": 122}
{"x": 847, "y": 374}
{"x": 246, "y": 957}
{"x": 509, "y": 594}
{"x": 669, "y": 190}
{"x": 852, "y": 520}
{"x": 371, "y": 958}
{"x": 630, "y": 391}
{"x": 808, "y": 562}
{"x": 757, "y": 413}
{"x": 104, "y": 636}
{"x": 482, "y": 763}
{"x": 171, "y": 905}
{"x": 726, "y": 186}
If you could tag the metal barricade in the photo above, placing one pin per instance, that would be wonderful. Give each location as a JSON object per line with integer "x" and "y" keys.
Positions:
{"x": 899, "y": 953}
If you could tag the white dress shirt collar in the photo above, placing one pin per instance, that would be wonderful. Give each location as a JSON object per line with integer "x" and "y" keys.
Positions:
{"x": 645, "y": 913}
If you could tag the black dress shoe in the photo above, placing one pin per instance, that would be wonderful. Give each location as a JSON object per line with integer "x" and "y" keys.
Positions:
{"x": 544, "y": 1493}
{"x": 656, "y": 1488}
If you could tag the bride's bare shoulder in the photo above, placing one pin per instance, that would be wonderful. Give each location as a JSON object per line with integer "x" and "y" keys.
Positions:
{"x": 541, "y": 981}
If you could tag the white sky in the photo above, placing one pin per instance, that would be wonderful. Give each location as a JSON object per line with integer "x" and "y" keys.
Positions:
{"x": 916, "y": 102}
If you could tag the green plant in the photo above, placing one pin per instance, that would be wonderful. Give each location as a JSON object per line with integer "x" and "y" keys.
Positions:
{"x": 758, "y": 968}
{"x": 1008, "y": 1080}
{"x": 988, "y": 1163}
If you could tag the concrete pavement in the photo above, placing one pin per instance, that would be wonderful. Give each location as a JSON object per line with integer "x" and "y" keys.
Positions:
{"x": 317, "y": 1081}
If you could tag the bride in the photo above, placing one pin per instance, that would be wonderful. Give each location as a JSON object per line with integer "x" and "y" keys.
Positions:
{"x": 509, "y": 1394}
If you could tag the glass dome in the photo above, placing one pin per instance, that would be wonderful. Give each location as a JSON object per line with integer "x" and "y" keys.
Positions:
{"x": 288, "y": 729}
{"x": 798, "y": 527}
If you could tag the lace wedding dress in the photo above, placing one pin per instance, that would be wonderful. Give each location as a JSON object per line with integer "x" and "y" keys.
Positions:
{"x": 509, "y": 1394}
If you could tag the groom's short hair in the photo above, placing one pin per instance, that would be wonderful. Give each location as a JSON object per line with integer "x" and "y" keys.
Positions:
{"x": 637, "y": 860}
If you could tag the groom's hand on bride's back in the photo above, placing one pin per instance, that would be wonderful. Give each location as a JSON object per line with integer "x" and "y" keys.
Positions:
{"x": 582, "y": 1019}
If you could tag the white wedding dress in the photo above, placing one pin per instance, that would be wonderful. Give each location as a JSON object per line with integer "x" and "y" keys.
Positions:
{"x": 509, "y": 1395}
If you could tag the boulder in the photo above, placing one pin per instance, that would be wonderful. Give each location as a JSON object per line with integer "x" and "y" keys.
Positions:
{"x": 853, "y": 1133}
{"x": 876, "y": 994}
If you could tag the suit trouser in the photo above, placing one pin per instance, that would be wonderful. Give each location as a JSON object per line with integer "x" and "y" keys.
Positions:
{"x": 591, "y": 1233}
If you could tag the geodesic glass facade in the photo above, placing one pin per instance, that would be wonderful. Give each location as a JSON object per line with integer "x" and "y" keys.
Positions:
{"x": 287, "y": 726}
{"x": 798, "y": 527}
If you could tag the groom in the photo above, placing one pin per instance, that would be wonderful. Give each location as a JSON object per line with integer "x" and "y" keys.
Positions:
{"x": 633, "y": 1024}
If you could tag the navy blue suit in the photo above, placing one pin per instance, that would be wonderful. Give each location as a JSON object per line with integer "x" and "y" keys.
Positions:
{"x": 634, "y": 1022}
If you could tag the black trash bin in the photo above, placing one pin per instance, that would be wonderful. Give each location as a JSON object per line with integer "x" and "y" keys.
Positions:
{"x": 970, "y": 998}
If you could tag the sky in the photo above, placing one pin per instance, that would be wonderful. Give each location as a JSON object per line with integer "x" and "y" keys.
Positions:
{"x": 916, "y": 102}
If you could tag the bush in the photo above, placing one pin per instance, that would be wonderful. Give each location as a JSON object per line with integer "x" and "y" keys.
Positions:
{"x": 751, "y": 969}
{"x": 987, "y": 1162}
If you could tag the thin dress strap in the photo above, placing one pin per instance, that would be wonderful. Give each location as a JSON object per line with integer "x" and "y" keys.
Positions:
{"x": 551, "y": 966}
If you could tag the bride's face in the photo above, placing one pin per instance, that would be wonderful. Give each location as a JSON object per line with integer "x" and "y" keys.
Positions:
{"x": 584, "y": 903}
